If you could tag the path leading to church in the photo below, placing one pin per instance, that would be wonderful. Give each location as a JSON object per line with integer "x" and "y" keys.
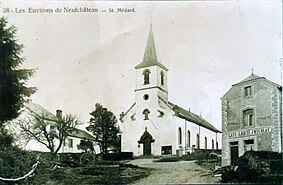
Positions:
{"x": 181, "y": 172}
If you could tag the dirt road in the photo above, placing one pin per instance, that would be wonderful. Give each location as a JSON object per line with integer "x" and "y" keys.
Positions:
{"x": 181, "y": 172}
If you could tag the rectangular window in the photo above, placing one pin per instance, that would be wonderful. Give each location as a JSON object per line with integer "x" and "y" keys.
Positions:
{"x": 70, "y": 143}
{"x": 166, "y": 150}
{"x": 248, "y": 117}
{"x": 52, "y": 127}
{"x": 250, "y": 122}
{"x": 248, "y": 91}
{"x": 249, "y": 144}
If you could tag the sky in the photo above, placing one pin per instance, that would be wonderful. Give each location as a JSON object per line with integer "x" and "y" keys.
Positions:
{"x": 87, "y": 58}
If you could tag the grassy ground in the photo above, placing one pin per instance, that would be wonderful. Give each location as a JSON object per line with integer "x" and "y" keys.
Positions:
{"x": 107, "y": 173}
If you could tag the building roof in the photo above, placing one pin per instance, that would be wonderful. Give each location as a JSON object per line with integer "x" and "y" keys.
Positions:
{"x": 41, "y": 111}
{"x": 184, "y": 114}
{"x": 150, "y": 57}
{"x": 255, "y": 77}
{"x": 251, "y": 78}
{"x": 192, "y": 117}
{"x": 78, "y": 133}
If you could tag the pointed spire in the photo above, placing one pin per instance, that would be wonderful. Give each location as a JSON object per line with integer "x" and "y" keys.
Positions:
{"x": 150, "y": 57}
{"x": 150, "y": 52}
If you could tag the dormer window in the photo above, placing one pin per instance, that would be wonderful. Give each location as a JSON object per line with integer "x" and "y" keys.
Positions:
{"x": 146, "y": 76}
{"x": 248, "y": 91}
{"x": 162, "y": 77}
{"x": 146, "y": 113}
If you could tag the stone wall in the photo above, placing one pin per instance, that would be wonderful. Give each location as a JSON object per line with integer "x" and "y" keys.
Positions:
{"x": 266, "y": 103}
{"x": 275, "y": 121}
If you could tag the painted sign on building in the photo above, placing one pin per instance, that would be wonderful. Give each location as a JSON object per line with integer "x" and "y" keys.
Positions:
{"x": 250, "y": 132}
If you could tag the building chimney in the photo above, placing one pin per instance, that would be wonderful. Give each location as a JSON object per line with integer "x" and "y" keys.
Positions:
{"x": 59, "y": 114}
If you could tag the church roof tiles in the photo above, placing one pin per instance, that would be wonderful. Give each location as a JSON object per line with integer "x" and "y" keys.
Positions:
{"x": 192, "y": 117}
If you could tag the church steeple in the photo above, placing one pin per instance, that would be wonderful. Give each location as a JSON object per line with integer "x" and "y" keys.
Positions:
{"x": 150, "y": 53}
{"x": 150, "y": 57}
{"x": 151, "y": 78}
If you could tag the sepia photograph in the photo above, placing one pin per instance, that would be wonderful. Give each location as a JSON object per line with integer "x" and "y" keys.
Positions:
{"x": 141, "y": 92}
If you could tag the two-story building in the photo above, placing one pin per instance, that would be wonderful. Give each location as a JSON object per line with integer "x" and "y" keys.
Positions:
{"x": 32, "y": 110}
{"x": 251, "y": 118}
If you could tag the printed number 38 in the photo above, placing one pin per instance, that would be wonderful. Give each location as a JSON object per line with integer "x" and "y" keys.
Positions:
{"x": 6, "y": 10}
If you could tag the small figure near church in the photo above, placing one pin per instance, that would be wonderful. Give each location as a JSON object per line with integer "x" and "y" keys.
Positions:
{"x": 155, "y": 126}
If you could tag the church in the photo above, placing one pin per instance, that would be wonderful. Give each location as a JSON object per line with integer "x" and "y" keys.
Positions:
{"x": 155, "y": 126}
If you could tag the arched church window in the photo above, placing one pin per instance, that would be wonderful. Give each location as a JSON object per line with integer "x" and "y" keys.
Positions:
{"x": 212, "y": 144}
{"x": 146, "y": 113}
{"x": 189, "y": 138}
{"x": 205, "y": 143}
{"x": 198, "y": 141}
{"x": 180, "y": 136}
{"x": 162, "y": 77}
{"x": 146, "y": 76}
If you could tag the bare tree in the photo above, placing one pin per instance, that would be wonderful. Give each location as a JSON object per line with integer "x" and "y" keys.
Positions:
{"x": 49, "y": 132}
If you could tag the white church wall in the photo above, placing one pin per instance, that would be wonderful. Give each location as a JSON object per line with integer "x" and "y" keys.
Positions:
{"x": 140, "y": 77}
{"x": 159, "y": 127}
{"x": 209, "y": 135}
{"x": 165, "y": 132}
{"x": 194, "y": 130}
{"x": 154, "y": 114}
{"x": 166, "y": 136}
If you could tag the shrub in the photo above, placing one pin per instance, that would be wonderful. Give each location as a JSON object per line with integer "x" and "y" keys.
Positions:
{"x": 70, "y": 159}
{"x": 228, "y": 174}
{"x": 15, "y": 163}
{"x": 257, "y": 166}
{"x": 201, "y": 155}
{"x": 168, "y": 159}
{"x": 118, "y": 156}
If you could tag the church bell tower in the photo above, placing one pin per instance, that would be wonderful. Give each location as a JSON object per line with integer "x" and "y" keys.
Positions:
{"x": 151, "y": 78}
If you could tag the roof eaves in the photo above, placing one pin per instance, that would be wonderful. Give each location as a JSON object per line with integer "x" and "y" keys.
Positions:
{"x": 43, "y": 111}
{"x": 122, "y": 116}
{"x": 189, "y": 116}
{"x": 78, "y": 133}
{"x": 247, "y": 81}
{"x": 147, "y": 64}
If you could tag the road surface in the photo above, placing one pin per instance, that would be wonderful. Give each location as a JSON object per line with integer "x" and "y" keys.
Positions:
{"x": 181, "y": 172}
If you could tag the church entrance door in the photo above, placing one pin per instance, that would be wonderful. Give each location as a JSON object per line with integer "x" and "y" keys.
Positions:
{"x": 146, "y": 139}
{"x": 147, "y": 146}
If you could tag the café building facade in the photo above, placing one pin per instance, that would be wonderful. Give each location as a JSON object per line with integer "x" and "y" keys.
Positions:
{"x": 251, "y": 118}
